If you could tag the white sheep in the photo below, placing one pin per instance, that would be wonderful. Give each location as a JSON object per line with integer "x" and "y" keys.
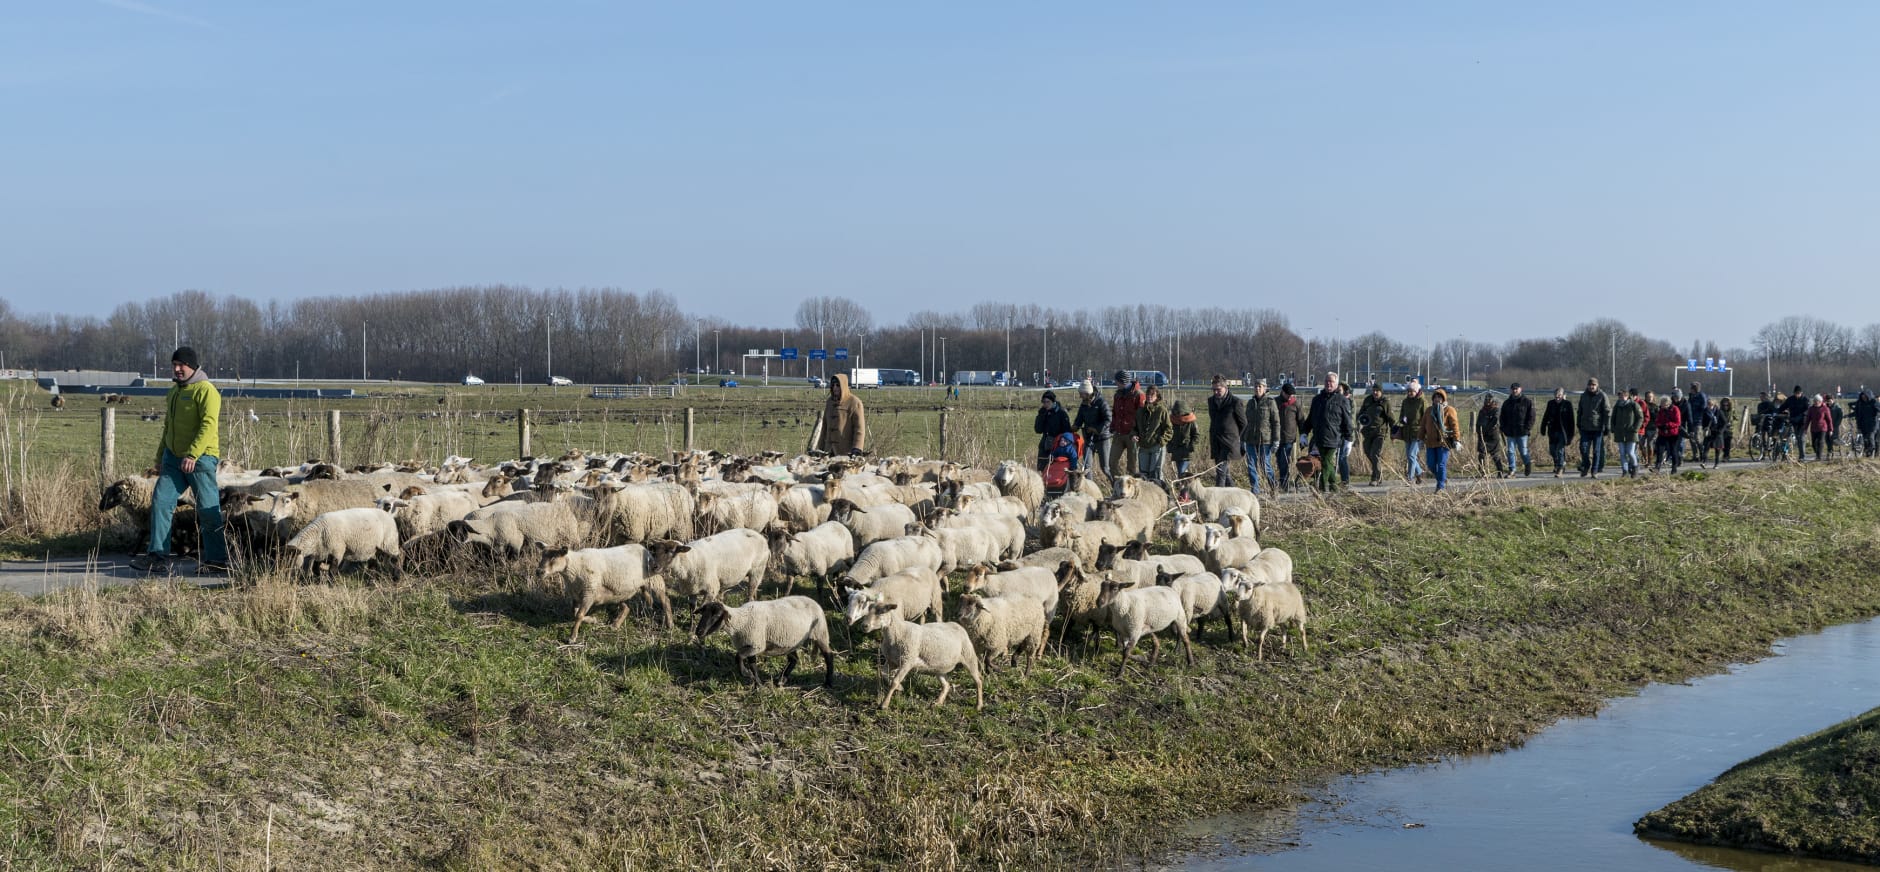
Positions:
{"x": 1048, "y": 558}
{"x": 1228, "y": 553}
{"x": 1192, "y": 534}
{"x": 768, "y": 628}
{"x": 1177, "y": 563}
{"x": 1214, "y": 502}
{"x": 805, "y": 505}
{"x": 1015, "y": 479}
{"x": 1007, "y": 529}
{"x": 819, "y": 552}
{"x": 1201, "y": 594}
{"x": 644, "y": 512}
{"x": 893, "y": 555}
{"x": 1144, "y": 611}
{"x": 871, "y": 524}
{"x": 1085, "y": 538}
{"x": 930, "y": 649}
{"x": 1267, "y": 604}
{"x": 605, "y": 576}
{"x": 288, "y": 511}
{"x": 703, "y": 568}
{"x": 1001, "y": 625}
{"x": 1078, "y": 506}
{"x": 426, "y": 511}
{"x": 511, "y": 527}
{"x": 966, "y": 546}
{"x": 724, "y": 506}
{"x": 1035, "y": 582}
{"x": 347, "y": 536}
{"x": 918, "y": 592}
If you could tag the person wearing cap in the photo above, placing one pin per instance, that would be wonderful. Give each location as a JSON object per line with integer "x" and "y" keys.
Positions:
{"x": 1375, "y": 422}
{"x": 1594, "y": 420}
{"x": 1183, "y": 436}
{"x": 1261, "y": 437}
{"x": 187, "y": 456}
{"x": 1124, "y": 405}
{"x": 1517, "y": 423}
{"x": 1050, "y": 423}
{"x": 1227, "y": 418}
{"x": 1410, "y": 415}
{"x": 1093, "y": 422}
{"x": 1152, "y": 432}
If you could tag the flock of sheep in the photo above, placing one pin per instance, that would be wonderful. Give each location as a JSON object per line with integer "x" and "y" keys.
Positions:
{"x": 879, "y": 540}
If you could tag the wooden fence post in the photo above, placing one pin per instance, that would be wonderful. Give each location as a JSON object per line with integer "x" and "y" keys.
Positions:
{"x": 107, "y": 443}
{"x": 688, "y": 429}
{"x": 943, "y": 434}
{"x": 523, "y": 433}
{"x": 332, "y": 436}
{"x": 815, "y": 435}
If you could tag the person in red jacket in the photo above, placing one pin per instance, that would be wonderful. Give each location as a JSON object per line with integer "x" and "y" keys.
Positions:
{"x": 1123, "y": 406}
{"x": 1667, "y": 422}
{"x": 1820, "y": 420}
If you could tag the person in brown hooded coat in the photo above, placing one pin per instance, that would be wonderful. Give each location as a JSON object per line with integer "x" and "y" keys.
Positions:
{"x": 844, "y": 431}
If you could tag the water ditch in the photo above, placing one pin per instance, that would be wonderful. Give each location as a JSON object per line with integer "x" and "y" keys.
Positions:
{"x": 1567, "y": 799}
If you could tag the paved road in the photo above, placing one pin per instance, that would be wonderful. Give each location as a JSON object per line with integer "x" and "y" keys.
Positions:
{"x": 113, "y": 570}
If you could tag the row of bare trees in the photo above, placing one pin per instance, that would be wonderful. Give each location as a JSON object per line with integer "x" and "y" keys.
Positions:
{"x": 505, "y": 333}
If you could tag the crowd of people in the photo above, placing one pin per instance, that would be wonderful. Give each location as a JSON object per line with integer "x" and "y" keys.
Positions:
{"x": 1286, "y": 442}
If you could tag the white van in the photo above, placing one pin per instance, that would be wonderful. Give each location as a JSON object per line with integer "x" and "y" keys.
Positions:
{"x": 470, "y": 380}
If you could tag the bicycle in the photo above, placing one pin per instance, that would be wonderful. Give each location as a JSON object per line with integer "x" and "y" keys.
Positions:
{"x": 1773, "y": 438}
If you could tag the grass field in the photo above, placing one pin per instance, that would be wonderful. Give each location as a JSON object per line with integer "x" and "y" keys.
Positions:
{"x": 1818, "y": 796}
{"x": 440, "y": 722}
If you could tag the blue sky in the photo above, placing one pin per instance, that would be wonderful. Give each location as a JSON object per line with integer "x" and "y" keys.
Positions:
{"x": 1504, "y": 169}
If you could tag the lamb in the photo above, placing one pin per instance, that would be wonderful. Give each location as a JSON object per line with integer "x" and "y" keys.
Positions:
{"x": 1200, "y": 593}
{"x": 606, "y": 576}
{"x": 1035, "y": 582}
{"x": 287, "y": 511}
{"x": 1268, "y": 604}
{"x": 644, "y": 512}
{"x": 931, "y": 649}
{"x": 1144, "y": 611}
{"x": 767, "y": 628}
{"x": 1213, "y": 502}
{"x": 893, "y": 555}
{"x": 703, "y": 568}
{"x": 1001, "y": 625}
{"x": 918, "y": 592}
{"x": 513, "y": 526}
{"x": 347, "y": 536}
{"x": 1223, "y": 553}
{"x": 966, "y": 546}
{"x": 819, "y": 552}
{"x": 871, "y": 524}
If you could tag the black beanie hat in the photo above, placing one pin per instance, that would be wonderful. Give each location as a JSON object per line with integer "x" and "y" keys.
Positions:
{"x": 187, "y": 357}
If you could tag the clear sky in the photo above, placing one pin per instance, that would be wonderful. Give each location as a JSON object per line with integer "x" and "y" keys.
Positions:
{"x": 1502, "y": 169}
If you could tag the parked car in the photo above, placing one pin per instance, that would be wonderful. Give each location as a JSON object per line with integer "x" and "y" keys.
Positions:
{"x": 471, "y": 380}
{"x": 816, "y": 381}
{"x": 558, "y": 381}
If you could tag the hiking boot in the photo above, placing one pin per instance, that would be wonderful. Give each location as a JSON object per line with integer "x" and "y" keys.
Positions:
{"x": 214, "y": 567}
{"x": 152, "y": 563}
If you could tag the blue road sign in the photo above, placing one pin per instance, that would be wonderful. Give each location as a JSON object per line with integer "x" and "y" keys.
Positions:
{"x": 842, "y": 354}
{"x": 818, "y": 354}
{"x": 787, "y": 353}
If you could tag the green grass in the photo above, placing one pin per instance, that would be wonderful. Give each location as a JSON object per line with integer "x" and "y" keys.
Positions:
{"x": 1817, "y": 796}
{"x": 440, "y": 723}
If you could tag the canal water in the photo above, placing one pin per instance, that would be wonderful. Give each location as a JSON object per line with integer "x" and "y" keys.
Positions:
{"x": 1567, "y": 799}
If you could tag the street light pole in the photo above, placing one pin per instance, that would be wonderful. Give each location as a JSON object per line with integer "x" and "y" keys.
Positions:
{"x": 362, "y": 350}
{"x": 715, "y": 358}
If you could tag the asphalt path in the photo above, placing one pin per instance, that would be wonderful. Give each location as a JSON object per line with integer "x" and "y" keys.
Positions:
{"x": 34, "y": 577}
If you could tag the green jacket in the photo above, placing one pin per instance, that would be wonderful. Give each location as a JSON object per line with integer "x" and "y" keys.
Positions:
{"x": 1375, "y": 417}
{"x": 1152, "y": 425}
{"x": 192, "y": 413}
{"x": 1411, "y": 413}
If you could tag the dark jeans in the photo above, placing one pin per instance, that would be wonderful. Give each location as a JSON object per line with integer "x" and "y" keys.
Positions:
{"x": 1097, "y": 453}
{"x": 1670, "y": 448}
{"x": 1592, "y": 451}
{"x": 1283, "y": 457}
{"x": 171, "y": 481}
{"x": 1557, "y": 449}
{"x": 1374, "y": 455}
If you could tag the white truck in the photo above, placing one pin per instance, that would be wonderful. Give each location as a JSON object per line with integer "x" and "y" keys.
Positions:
{"x": 994, "y": 377}
{"x": 868, "y": 377}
